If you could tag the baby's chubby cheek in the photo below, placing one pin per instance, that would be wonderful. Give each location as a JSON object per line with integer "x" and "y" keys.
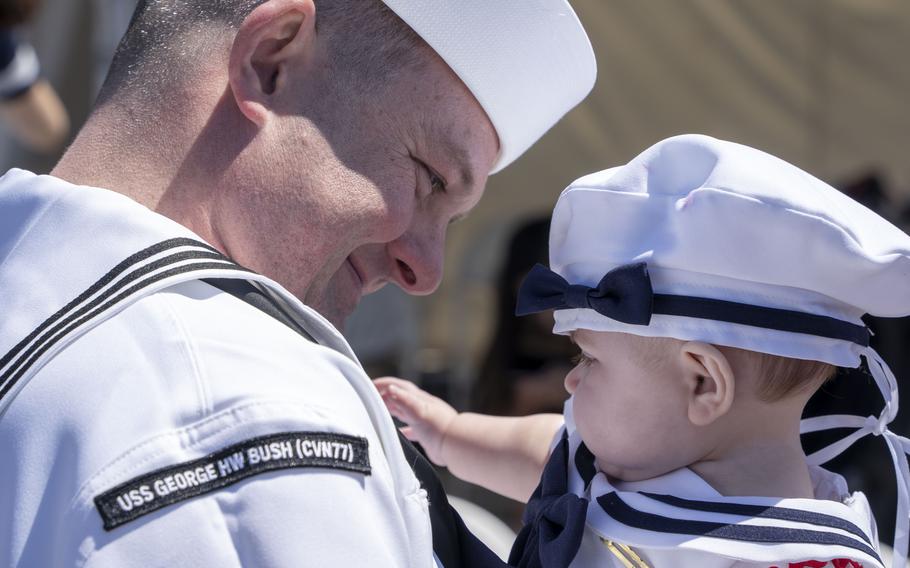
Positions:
{"x": 630, "y": 449}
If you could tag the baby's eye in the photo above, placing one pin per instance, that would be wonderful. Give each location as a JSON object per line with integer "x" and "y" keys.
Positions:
{"x": 581, "y": 360}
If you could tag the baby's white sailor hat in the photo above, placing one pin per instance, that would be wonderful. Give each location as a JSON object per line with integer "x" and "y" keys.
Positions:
{"x": 527, "y": 62}
{"x": 702, "y": 239}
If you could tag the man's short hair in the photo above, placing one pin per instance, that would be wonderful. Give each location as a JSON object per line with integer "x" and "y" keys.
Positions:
{"x": 368, "y": 40}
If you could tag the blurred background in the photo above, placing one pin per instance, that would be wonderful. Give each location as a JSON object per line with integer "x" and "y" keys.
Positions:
{"x": 823, "y": 84}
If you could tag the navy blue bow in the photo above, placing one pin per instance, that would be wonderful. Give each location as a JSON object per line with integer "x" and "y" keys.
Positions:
{"x": 554, "y": 519}
{"x": 623, "y": 294}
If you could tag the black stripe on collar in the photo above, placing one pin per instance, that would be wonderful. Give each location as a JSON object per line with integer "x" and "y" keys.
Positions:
{"x": 247, "y": 292}
{"x": 620, "y": 511}
{"x": 763, "y": 512}
{"x": 109, "y": 277}
{"x": 68, "y": 318}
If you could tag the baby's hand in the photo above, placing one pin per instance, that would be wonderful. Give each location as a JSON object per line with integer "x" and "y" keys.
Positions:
{"x": 427, "y": 417}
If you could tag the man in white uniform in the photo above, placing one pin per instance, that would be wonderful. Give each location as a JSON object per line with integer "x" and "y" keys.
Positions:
{"x": 173, "y": 388}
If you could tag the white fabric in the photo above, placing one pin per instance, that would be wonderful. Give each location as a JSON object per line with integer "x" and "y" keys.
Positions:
{"x": 176, "y": 375}
{"x": 673, "y": 550}
{"x": 720, "y": 220}
{"x": 527, "y": 62}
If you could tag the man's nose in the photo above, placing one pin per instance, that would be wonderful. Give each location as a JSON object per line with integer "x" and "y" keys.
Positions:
{"x": 418, "y": 259}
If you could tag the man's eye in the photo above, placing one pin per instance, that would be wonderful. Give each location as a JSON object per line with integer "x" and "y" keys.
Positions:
{"x": 436, "y": 183}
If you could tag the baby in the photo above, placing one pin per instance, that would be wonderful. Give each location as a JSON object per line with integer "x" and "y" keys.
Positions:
{"x": 711, "y": 289}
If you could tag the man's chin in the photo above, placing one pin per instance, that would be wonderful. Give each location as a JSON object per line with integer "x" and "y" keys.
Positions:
{"x": 336, "y": 314}
{"x": 335, "y": 299}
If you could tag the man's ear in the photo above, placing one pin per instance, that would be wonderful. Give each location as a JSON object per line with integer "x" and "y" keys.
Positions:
{"x": 709, "y": 381}
{"x": 267, "y": 42}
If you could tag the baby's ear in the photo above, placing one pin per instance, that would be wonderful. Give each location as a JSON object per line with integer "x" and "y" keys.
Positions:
{"x": 709, "y": 382}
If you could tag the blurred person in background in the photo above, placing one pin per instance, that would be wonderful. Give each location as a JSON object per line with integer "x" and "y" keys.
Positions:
{"x": 525, "y": 365}
{"x": 29, "y": 106}
{"x": 523, "y": 370}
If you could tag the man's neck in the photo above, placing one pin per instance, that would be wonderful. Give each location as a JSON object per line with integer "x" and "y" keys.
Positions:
{"x": 170, "y": 172}
{"x": 112, "y": 154}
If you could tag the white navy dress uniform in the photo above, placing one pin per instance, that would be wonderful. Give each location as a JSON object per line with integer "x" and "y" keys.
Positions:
{"x": 148, "y": 417}
{"x": 701, "y": 239}
{"x": 126, "y": 364}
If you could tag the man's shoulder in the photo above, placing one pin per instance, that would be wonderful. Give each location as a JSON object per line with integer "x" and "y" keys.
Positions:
{"x": 184, "y": 353}
{"x": 177, "y": 367}
{"x": 233, "y": 348}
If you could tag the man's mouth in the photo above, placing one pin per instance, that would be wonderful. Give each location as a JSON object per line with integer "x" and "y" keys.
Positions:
{"x": 357, "y": 275}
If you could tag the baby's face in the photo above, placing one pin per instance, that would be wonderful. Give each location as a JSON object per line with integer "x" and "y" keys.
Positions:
{"x": 630, "y": 404}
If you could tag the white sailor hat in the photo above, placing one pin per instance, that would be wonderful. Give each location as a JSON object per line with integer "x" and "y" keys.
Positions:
{"x": 527, "y": 62}
{"x": 701, "y": 239}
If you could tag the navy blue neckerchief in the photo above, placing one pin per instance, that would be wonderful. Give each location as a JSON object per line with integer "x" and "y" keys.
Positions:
{"x": 453, "y": 543}
{"x": 555, "y": 517}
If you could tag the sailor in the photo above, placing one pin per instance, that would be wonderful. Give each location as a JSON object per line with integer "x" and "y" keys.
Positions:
{"x": 172, "y": 293}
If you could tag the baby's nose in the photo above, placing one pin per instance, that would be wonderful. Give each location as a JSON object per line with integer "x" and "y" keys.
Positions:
{"x": 571, "y": 381}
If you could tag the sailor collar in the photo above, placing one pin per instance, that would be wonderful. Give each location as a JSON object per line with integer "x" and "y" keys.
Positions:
{"x": 679, "y": 511}
{"x": 72, "y": 256}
